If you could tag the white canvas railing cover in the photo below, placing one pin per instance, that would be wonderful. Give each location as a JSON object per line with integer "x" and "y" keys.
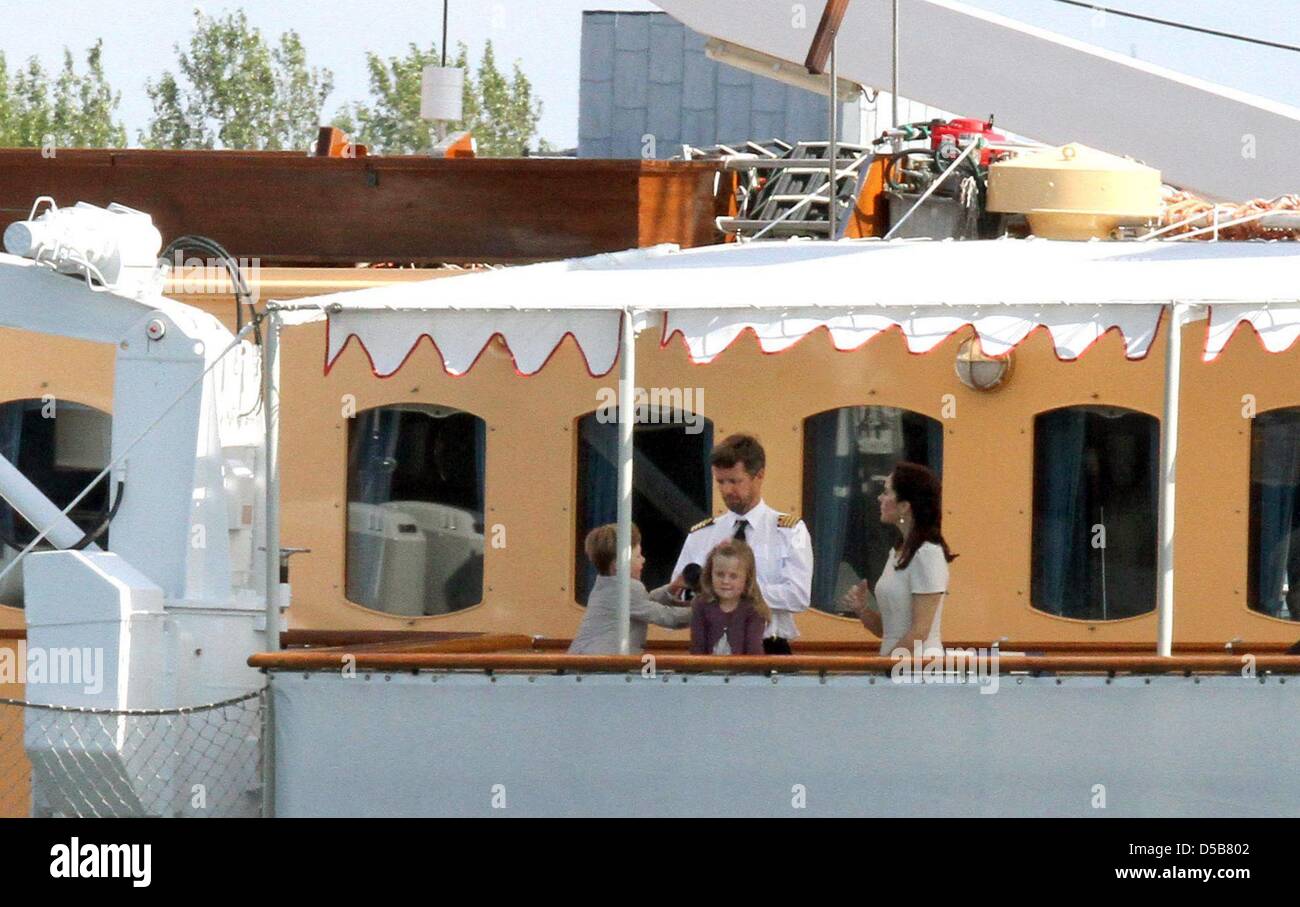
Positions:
{"x": 855, "y": 289}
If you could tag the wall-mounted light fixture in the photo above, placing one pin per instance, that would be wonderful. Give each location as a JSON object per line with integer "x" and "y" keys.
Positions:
{"x": 978, "y": 370}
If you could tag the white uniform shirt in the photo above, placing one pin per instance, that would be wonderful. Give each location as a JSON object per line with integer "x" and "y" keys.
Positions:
{"x": 926, "y": 573}
{"x": 784, "y": 558}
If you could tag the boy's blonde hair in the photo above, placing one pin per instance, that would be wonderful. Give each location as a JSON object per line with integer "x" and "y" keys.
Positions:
{"x": 602, "y": 546}
{"x": 734, "y": 548}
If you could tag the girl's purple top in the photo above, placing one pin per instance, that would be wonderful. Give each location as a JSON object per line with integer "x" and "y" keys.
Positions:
{"x": 744, "y": 628}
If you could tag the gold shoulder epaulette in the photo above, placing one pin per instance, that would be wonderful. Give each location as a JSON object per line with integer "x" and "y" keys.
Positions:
{"x": 702, "y": 523}
{"x": 787, "y": 520}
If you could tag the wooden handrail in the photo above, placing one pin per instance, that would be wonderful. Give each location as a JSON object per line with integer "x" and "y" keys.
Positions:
{"x": 838, "y": 664}
{"x": 416, "y": 641}
{"x": 1047, "y": 647}
{"x": 865, "y": 646}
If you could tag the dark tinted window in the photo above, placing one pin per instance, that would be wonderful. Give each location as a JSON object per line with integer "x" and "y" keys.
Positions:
{"x": 59, "y": 446}
{"x": 671, "y": 488}
{"x": 415, "y": 509}
{"x": 1095, "y": 499}
{"x": 848, "y": 452}
{"x": 1274, "y": 584}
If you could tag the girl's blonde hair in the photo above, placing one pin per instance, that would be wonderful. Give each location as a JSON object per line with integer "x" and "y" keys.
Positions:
{"x": 734, "y": 548}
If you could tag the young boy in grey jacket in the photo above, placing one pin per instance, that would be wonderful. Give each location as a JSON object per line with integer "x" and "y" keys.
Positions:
{"x": 598, "y": 634}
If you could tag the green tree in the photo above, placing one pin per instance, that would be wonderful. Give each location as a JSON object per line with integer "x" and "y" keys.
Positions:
{"x": 234, "y": 90}
{"x": 499, "y": 111}
{"x": 32, "y": 116}
{"x": 6, "y": 103}
{"x": 74, "y": 111}
{"x": 83, "y": 105}
{"x": 505, "y": 117}
{"x": 171, "y": 126}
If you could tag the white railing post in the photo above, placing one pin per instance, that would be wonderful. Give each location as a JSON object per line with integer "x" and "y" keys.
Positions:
{"x": 1168, "y": 467}
{"x": 626, "y": 421}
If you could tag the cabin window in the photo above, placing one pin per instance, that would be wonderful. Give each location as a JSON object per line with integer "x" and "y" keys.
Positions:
{"x": 1274, "y": 582}
{"x": 60, "y": 446}
{"x": 848, "y": 453}
{"x": 1095, "y": 499}
{"x": 415, "y": 509}
{"x": 671, "y": 486}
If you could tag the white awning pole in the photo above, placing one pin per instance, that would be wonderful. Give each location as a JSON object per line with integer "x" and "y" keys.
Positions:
{"x": 626, "y": 419}
{"x": 271, "y": 423}
{"x": 1168, "y": 465}
{"x": 271, "y": 417}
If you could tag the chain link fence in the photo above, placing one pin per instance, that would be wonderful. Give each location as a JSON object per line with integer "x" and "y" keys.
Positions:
{"x": 201, "y": 760}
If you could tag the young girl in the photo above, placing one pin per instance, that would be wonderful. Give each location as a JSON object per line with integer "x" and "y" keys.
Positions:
{"x": 729, "y": 616}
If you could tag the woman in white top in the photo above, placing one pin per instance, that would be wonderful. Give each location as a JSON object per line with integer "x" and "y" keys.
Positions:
{"x": 908, "y": 601}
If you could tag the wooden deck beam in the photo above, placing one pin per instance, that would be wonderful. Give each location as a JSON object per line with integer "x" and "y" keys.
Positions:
{"x": 291, "y": 209}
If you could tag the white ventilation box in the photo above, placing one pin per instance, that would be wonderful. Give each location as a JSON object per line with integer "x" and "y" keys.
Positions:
{"x": 414, "y": 558}
{"x": 453, "y": 556}
{"x": 385, "y": 566}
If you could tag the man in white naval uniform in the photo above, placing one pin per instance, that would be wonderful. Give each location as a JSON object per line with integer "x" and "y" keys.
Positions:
{"x": 782, "y": 548}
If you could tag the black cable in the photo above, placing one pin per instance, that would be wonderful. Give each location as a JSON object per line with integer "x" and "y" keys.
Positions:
{"x": 202, "y": 243}
{"x": 444, "y": 34}
{"x": 1082, "y": 4}
{"x": 243, "y": 296}
{"x": 91, "y": 536}
{"x": 11, "y": 542}
{"x": 94, "y": 534}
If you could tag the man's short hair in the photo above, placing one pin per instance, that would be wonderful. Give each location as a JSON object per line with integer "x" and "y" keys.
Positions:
{"x": 602, "y": 546}
{"x": 739, "y": 449}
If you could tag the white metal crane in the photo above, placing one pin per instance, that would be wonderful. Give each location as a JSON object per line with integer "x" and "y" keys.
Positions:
{"x": 1222, "y": 143}
{"x": 178, "y": 602}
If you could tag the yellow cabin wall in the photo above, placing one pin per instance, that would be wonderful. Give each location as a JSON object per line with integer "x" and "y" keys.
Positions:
{"x": 988, "y": 468}
{"x": 15, "y": 770}
{"x": 532, "y": 462}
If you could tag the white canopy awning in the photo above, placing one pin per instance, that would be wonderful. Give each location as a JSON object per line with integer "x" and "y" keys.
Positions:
{"x": 855, "y": 289}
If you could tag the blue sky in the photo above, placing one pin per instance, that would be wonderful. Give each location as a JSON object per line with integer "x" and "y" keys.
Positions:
{"x": 543, "y": 36}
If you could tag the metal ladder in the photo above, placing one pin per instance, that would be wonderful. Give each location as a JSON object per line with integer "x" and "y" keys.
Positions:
{"x": 793, "y": 200}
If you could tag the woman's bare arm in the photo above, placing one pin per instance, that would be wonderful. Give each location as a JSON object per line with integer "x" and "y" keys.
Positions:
{"x": 855, "y": 600}
{"x": 923, "y": 608}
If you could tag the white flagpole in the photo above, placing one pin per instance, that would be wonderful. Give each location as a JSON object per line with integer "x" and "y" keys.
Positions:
{"x": 626, "y": 419}
{"x": 1168, "y": 466}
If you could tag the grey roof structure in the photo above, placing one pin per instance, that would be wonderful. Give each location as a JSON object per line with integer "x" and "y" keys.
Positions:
{"x": 647, "y": 89}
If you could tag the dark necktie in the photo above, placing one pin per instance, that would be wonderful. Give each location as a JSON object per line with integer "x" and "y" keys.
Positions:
{"x": 739, "y": 534}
